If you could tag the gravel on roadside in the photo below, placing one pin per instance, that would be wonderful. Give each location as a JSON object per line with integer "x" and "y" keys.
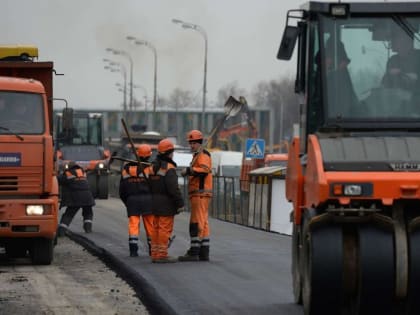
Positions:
{"x": 76, "y": 282}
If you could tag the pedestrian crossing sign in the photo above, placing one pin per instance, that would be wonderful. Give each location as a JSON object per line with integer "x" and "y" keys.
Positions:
{"x": 255, "y": 148}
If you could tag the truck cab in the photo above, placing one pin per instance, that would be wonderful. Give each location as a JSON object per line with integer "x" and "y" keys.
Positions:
{"x": 79, "y": 138}
{"x": 28, "y": 183}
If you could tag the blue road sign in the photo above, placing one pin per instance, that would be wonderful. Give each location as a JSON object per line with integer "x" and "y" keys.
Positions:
{"x": 255, "y": 148}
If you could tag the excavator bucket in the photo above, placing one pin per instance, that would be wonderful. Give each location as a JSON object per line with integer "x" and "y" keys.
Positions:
{"x": 233, "y": 106}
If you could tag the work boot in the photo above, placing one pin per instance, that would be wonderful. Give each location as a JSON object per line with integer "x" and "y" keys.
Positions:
{"x": 133, "y": 250}
{"x": 165, "y": 260}
{"x": 189, "y": 256}
{"x": 87, "y": 226}
{"x": 204, "y": 253}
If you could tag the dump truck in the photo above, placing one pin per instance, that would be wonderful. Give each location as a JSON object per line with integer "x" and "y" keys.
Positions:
{"x": 28, "y": 183}
{"x": 353, "y": 173}
{"x": 79, "y": 138}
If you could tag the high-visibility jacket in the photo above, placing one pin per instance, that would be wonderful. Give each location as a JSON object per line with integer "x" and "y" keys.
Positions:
{"x": 200, "y": 175}
{"x": 75, "y": 188}
{"x": 134, "y": 190}
{"x": 167, "y": 197}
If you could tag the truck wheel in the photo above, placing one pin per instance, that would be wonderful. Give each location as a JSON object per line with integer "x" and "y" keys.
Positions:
{"x": 377, "y": 271}
{"x": 323, "y": 270}
{"x": 103, "y": 187}
{"x": 16, "y": 250}
{"x": 42, "y": 251}
{"x": 414, "y": 273}
{"x": 92, "y": 180}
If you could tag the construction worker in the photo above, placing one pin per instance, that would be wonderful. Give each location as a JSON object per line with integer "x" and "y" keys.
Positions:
{"x": 75, "y": 195}
{"x": 167, "y": 201}
{"x": 200, "y": 188}
{"x": 135, "y": 193}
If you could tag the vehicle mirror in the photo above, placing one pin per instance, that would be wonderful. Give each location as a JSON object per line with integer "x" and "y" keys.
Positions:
{"x": 288, "y": 42}
{"x": 67, "y": 118}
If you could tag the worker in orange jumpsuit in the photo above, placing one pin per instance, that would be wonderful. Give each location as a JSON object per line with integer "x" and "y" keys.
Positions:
{"x": 200, "y": 189}
{"x": 135, "y": 194}
{"x": 167, "y": 201}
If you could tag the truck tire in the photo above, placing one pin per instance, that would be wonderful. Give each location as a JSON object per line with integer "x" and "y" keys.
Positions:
{"x": 414, "y": 273}
{"x": 296, "y": 262}
{"x": 103, "y": 187}
{"x": 92, "y": 180}
{"x": 377, "y": 271}
{"x": 16, "y": 250}
{"x": 42, "y": 251}
{"x": 322, "y": 270}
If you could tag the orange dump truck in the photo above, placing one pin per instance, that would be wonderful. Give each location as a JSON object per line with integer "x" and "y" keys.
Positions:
{"x": 28, "y": 185}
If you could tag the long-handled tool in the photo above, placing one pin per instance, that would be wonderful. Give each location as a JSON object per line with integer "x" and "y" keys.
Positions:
{"x": 133, "y": 148}
{"x": 119, "y": 158}
{"x": 232, "y": 108}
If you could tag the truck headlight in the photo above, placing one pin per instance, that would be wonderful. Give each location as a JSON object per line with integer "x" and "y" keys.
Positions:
{"x": 34, "y": 210}
{"x": 101, "y": 165}
{"x": 352, "y": 190}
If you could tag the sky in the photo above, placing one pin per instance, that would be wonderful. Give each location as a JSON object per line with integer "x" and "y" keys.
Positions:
{"x": 243, "y": 37}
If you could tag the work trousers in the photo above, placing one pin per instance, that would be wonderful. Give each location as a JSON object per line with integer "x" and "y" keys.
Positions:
{"x": 162, "y": 231}
{"x": 134, "y": 228}
{"x": 199, "y": 224}
{"x": 134, "y": 224}
{"x": 70, "y": 212}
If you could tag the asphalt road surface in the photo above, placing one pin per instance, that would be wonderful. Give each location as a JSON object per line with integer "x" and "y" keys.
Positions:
{"x": 249, "y": 271}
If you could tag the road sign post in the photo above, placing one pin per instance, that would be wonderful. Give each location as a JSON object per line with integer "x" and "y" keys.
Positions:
{"x": 255, "y": 148}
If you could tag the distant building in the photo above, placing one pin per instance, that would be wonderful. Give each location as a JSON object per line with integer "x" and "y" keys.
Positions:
{"x": 176, "y": 123}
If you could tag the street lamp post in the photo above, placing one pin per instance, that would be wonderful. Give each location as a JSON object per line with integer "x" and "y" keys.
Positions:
{"x": 201, "y": 30}
{"x": 121, "y": 68}
{"x": 138, "y": 86}
{"x": 148, "y": 44}
{"x": 126, "y": 54}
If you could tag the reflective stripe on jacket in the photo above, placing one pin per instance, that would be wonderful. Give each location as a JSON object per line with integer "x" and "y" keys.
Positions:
{"x": 75, "y": 188}
{"x": 201, "y": 178}
{"x": 134, "y": 190}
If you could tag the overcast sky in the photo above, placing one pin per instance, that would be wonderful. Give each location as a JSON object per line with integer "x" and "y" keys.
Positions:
{"x": 243, "y": 38}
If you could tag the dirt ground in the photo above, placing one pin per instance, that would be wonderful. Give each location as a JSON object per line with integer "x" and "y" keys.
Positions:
{"x": 75, "y": 283}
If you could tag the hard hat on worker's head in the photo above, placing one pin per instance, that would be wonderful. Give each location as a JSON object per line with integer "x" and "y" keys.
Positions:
{"x": 165, "y": 146}
{"x": 144, "y": 151}
{"x": 195, "y": 135}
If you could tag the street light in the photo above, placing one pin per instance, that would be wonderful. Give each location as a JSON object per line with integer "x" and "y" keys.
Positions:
{"x": 121, "y": 68}
{"x": 126, "y": 54}
{"x": 138, "y": 86}
{"x": 201, "y": 30}
{"x": 148, "y": 44}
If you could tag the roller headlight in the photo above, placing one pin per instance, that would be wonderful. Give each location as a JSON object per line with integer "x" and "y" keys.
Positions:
{"x": 351, "y": 189}
{"x": 34, "y": 210}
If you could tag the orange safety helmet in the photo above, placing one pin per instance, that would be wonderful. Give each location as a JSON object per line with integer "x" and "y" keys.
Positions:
{"x": 194, "y": 135}
{"x": 165, "y": 146}
{"x": 144, "y": 150}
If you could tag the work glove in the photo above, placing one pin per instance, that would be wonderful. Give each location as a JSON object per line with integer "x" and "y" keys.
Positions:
{"x": 185, "y": 171}
{"x": 179, "y": 210}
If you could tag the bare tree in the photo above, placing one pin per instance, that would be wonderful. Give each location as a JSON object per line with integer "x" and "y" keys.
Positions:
{"x": 280, "y": 97}
{"x": 230, "y": 89}
{"x": 181, "y": 98}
